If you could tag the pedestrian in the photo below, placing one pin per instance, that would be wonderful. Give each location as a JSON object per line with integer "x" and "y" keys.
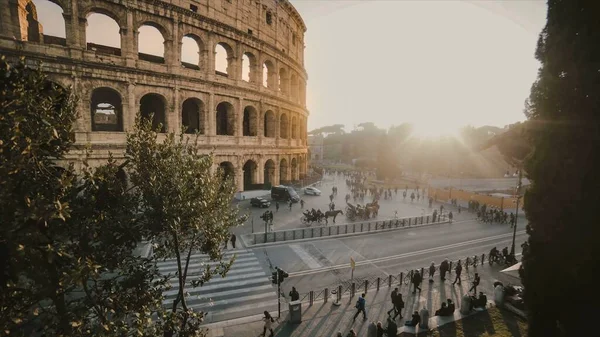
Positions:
{"x": 475, "y": 283}
{"x": 351, "y": 333}
{"x": 458, "y": 270}
{"x": 444, "y": 267}
{"x": 393, "y": 298}
{"x": 398, "y": 305}
{"x": 450, "y": 216}
{"x": 372, "y": 330}
{"x": 268, "y": 319}
{"x": 291, "y": 203}
{"x": 233, "y": 238}
{"x": 416, "y": 280}
{"x": 301, "y": 203}
{"x": 294, "y": 295}
{"x": 361, "y": 305}
{"x": 458, "y": 209}
{"x": 276, "y": 206}
{"x": 431, "y": 271}
{"x": 271, "y": 217}
{"x": 339, "y": 334}
{"x": 380, "y": 330}
{"x": 392, "y": 328}
{"x": 416, "y": 319}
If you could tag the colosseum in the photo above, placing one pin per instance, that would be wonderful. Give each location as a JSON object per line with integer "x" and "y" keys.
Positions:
{"x": 244, "y": 90}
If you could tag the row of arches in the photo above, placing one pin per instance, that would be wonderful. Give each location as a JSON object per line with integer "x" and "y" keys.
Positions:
{"x": 272, "y": 172}
{"x": 153, "y": 42}
{"x": 107, "y": 115}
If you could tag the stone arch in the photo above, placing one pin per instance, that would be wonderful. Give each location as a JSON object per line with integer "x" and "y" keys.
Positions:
{"x": 249, "y": 67}
{"x": 294, "y": 127}
{"x": 106, "y": 110}
{"x": 31, "y": 28}
{"x": 192, "y": 44}
{"x": 283, "y": 171}
{"x": 270, "y": 124}
{"x": 269, "y": 75}
{"x": 110, "y": 43}
{"x": 193, "y": 116}
{"x": 283, "y": 126}
{"x": 154, "y": 105}
{"x": 225, "y": 119}
{"x": 224, "y": 58}
{"x": 155, "y": 52}
{"x": 294, "y": 165}
{"x": 284, "y": 81}
{"x": 227, "y": 169}
{"x": 250, "y": 175}
{"x": 294, "y": 87}
{"x": 269, "y": 173}
{"x": 113, "y": 11}
{"x": 249, "y": 127}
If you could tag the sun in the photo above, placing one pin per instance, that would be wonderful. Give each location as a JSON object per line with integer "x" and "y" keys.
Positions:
{"x": 434, "y": 130}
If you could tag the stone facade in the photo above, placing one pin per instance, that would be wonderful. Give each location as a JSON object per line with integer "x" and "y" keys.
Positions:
{"x": 315, "y": 146}
{"x": 256, "y": 132}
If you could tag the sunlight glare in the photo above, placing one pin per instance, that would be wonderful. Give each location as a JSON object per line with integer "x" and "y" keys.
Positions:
{"x": 434, "y": 130}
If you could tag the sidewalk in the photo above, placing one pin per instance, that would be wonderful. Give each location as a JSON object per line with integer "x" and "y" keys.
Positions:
{"x": 326, "y": 319}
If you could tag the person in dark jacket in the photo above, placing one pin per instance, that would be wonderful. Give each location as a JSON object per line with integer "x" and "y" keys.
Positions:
{"x": 416, "y": 280}
{"x": 294, "y": 295}
{"x": 392, "y": 328}
{"x": 475, "y": 283}
{"x": 458, "y": 271}
{"x": 416, "y": 319}
{"x": 393, "y": 298}
{"x": 233, "y": 238}
{"x": 398, "y": 305}
{"x": 431, "y": 272}
{"x": 444, "y": 267}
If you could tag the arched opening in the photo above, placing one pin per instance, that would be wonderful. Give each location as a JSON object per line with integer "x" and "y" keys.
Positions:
{"x": 223, "y": 59}
{"x": 294, "y": 169}
{"x": 283, "y": 81}
{"x": 227, "y": 170}
{"x": 269, "y": 124}
{"x": 269, "y": 75}
{"x": 269, "y": 174}
{"x": 109, "y": 41}
{"x": 192, "y": 116}
{"x": 107, "y": 110}
{"x": 301, "y": 164}
{"x": 246, "y": 68}
{"x": 283, "y": 172}
{"x": 294, "y": 128}
{"x": 151, "y": 44}
{"x": 283, "y": 126}
{"x": 225, "y": 119}
{"x": 249, "y": 123}
{"x": 153, "y": 106}
{"x": 294, "y": 87}
{"x": 302, "y": 92}
{"x": 45, "y": 23}
{"x": 250, "y": 176}
{"x": 191, "y": 52}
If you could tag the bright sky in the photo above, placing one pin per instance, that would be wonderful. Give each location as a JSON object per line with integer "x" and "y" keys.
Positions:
{"x": 437, "y": 64}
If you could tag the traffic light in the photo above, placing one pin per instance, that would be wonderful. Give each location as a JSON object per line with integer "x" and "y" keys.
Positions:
{"x": 278, "y": 273}
{"x": 282, "y": 275}
{"x": 274, "y": 277}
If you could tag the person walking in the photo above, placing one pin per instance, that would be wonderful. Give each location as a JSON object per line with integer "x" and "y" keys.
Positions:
{"x": 301, "y": 203}
{"x": 398, "y": 305}
{"x": 444, "y": 267}
{"x": 268, "y": 319}
{"x": 393, "y": 298}
{"x": 475, "y": 283}
{"x": 431, "y": 271}
{"x": 294, "y": 295}
{"x": 276, "y": 206}
{"x": 458, "y": 271}
{"x": 233, "y": 238}
{"x": 416, "y": 280}
{"x": 450, "y": 216}
{"x": 291, "y": 203}
{"x": 361, "y": 305}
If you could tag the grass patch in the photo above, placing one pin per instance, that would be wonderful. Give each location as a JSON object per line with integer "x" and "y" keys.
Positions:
{"x": 494, "y": 322}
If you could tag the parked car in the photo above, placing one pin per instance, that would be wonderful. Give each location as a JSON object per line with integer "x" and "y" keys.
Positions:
{"x": 260, "y": 202}
{"x": 311, "y": 191}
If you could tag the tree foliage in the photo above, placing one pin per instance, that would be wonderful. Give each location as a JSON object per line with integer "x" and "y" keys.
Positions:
{"x": 563, "y": 110}
{"x": 337, "y": 129}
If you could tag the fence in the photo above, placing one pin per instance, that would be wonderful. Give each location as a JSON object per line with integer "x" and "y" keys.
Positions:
{"x": 363, "y": 285}
{"x": 348, "y": 228}
{"x": 443, "y": 195}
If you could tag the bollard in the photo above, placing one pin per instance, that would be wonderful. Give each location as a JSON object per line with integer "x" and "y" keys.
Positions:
{"x": 389, "y": 280}
{"x": 294, "y": 235}
{"x": 428, "y": 219}
{"x": 352, "y": 289}
{"x": 378, "y": 281}
{"x": 376, "y": 222}
{"x": 400, "y": 279}
{"x": 311, "y": 297}
{"x": 339, "y": 293}
{"x": 369, "y": 226}
{"x": 284, "y": 235}
{"x": 451, "y": 267}
{"x": 482, "y": 259}
{"x": 326, "y": 295}
{"x": 422, "y": 273}
{"x": 366, "y": 286}
{"x": 408, "y": 222}
{"x": 361, "y": 226}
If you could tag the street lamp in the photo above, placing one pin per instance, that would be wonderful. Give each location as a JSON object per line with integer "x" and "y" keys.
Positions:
{"x": 512, "y": 249}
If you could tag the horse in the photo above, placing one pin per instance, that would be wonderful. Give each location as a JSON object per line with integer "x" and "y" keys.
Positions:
{"x": 333, "y": 214}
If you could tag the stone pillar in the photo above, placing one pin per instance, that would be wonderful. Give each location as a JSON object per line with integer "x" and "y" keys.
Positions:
{"x": 129, "y": 108}
{"x": 81, "y": 29}
{"x": 210, "y": 66}
{"x": 239, "y": 119}
{"x": 259, "y": 71}
{"x": 239, "y": 177}
{"x": 172, "y": 57}
{"x": 129, "y": 36}
{"x": 260, "y": 170}
{"x": 173, "y": 120}
{"x": 276, "y": 177}
{"x": 211, "y": 111}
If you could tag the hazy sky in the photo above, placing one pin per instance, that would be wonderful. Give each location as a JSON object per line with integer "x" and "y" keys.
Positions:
{"x": 437, "y": 64}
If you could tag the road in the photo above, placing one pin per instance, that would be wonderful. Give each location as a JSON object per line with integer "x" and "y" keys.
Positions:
{"x": 315, "y": 265}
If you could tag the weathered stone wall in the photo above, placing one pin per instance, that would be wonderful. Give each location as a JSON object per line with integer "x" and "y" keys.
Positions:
{"x": 277, "y": 153}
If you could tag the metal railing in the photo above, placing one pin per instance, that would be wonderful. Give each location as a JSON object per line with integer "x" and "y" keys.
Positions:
{"x": 343, "y": 229}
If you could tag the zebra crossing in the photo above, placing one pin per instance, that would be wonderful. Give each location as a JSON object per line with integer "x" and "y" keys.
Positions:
{"x": 246, "y": 290}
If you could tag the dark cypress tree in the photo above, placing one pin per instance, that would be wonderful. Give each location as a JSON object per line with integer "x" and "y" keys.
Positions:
{"x": 562, "y": 203}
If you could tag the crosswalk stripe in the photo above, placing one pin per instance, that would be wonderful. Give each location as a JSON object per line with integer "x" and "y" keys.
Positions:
{"x": 247, "y": 307}
{"x": 209, "y": 287}
{"x": 205, "y": 256}
{"x": 192, "y": 264}
{"x": 238, "y": 292}
{"x": 205, "y": 260}
{"x": 227, "y": 279}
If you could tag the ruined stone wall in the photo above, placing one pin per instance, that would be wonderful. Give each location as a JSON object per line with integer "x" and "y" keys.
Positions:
{"x": 265, "y": 127}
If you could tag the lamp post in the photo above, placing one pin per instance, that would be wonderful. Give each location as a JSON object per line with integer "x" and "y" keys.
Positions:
{"x": 512, "y": 249}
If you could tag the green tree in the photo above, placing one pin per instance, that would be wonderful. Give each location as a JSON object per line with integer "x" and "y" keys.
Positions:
{"x": 187, "y": 209}
{"x": 66, "y": 240}
{"x": 564, "y": 256}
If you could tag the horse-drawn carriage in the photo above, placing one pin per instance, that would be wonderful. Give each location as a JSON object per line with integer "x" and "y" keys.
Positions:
{"x": 359, "y": 212}
{"x": 311, "y": 216}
